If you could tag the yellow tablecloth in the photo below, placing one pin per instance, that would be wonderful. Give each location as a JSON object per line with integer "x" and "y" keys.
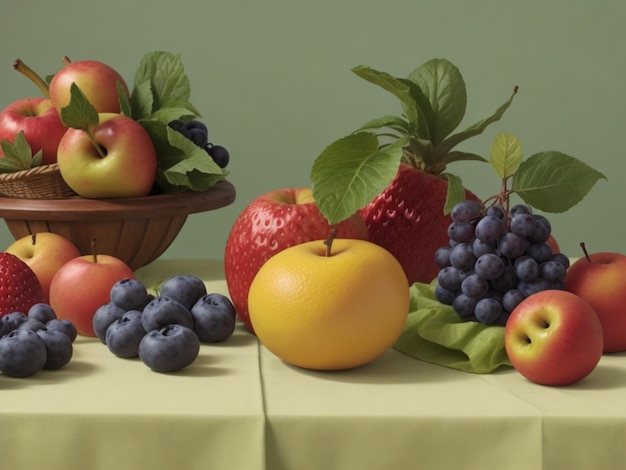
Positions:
{"x": 239, "y": 407}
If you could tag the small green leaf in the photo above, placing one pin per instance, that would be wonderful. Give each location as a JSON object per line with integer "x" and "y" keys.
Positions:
{"x": 18, "y": 156}
{"x": 79, "y": 113}
{"x": 506, "y": 154}
{"x": 476, "y": 129}
{"x": 351, "y": 171}
{"x": 396, "y": 87}
{"x": 553, "y": 181}
{"x": 455, "y": 192}
{"x": 443, "y": 85}
{"x": 125, "y": 107}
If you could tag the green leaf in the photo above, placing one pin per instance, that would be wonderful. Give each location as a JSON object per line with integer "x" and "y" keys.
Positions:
{"x": 125, "y": 106}
{"x": 506, "y": 154}
{"x": 443, "y": 85}
{"x": 396, "y": 87}
{"x": 351, "y": 171}
{"x": 455, "y": 192}
{"x": 553, "y": 181}
{"x": 476, "y": 129}
{"x": 79, "y": 113}
{"x": 18, "y": 156}
{"x": 168, "y": 81}
{"x": 141, "y": 101}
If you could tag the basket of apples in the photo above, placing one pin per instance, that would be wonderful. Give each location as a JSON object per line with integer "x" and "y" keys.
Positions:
{"x": 96, "y": 159}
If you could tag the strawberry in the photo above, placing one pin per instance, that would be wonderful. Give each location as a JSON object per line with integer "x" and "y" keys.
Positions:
{"x": 19, "y": 286}
{"x": 408, "y": 220}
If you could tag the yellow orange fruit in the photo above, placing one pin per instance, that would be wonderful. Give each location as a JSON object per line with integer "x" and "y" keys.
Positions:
{"x": 329, "y": 312}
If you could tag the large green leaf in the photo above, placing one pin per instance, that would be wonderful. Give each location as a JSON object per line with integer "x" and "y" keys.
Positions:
{"x": 442, "y": 83}
{"x": 351, "y": 171}
{"x": 553, "y": 181}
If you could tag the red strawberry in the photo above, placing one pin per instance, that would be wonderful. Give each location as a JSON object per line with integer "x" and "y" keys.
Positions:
{"x": 408, "y": 220}
{"x": 19, "y": 287}
{"x": 269, "y": 224}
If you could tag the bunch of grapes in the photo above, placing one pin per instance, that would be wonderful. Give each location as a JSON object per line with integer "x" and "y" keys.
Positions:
{"x": 197, "y": 132}
{"x": 494, "y": 260}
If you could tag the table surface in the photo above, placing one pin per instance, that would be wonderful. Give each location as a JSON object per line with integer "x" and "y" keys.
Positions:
{"x": 239, "y": 407}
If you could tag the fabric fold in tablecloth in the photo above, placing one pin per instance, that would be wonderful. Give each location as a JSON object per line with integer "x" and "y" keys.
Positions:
{"x": 435, "y": 333}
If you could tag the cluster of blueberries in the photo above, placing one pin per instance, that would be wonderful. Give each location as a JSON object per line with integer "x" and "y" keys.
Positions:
{"x": 164, "y": 331}
{"x": 35, "y": 340}
{"x": 197, "y": 132}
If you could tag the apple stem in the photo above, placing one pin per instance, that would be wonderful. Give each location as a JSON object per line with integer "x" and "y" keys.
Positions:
{"x": 95, "y": 144}
{"x": 34, "y": 238}
{"x": 66, "y": 60}
{"x": 25, "y": 70}
{"x": 582, "y": 245}
{"x": 329, "y": 241}
{"x": 94, "y": 253}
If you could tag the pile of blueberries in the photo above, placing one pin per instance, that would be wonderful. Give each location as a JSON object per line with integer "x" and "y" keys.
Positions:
{"x": 35, "y": 340}
{"x": 165, "y": 331}
{"x": 197, "y": 132}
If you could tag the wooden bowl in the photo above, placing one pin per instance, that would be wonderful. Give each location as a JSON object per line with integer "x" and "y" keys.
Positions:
{"x": 136, "y": 230}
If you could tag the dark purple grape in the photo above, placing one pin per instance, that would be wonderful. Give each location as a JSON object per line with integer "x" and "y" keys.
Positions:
{"x": 199, "y": 136}
{"x": 489, "y": 228}
{"x": 465, "y": 211}
{"x": 442, "y": 257}
{"x": 195, "y": 124}
{"x": 464, "y": 305}
{"x": 552, "y": 271}
{"x": 179, "y": 126}
{"x": 512, "y": 245}
{"x": 512, "y": 299}
{"x": 461, "y": 232}
{"x": 487, "y": 310}
{"x": 540, "y": 252}
{"x": 480, "y": 247}
{"x": 523, "y": 224}
{"x": 449, "y": 278}
{"x": 489, "y": 266}
{"x": 462, "y": 256}
{"x": 474, "y": 286}
{"x": 444, "y": 296}
{"x": 496, "y": 211}
{"x": 526, "y": 268}
{"x": 542, "y": 230}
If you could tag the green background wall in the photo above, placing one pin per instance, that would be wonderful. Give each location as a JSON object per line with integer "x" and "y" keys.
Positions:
{"x": 273, "y": 81}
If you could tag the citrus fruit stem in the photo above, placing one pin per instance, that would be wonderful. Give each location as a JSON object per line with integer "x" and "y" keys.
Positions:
{"x": 329, "y": 241}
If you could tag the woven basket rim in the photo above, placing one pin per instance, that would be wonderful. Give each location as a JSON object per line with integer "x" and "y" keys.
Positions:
{"x": 41, "y": 182}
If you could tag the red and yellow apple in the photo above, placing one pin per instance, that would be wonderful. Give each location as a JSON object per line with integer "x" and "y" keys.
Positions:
{"x": 554, "y": 337}
{"x": 272, "y": 222}
{"x": 40, "y": 122}
{"x": 45, "y": 253}
{"x": 599, "y": 279}
{"x": 84, "y": 284}
{"x": 120, "y": 162}
{"x": 98, "y": 81}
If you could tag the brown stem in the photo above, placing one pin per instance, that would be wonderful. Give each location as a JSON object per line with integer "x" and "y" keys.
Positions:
{"x": 66, "y": 60}
{"x": 329, "y": 241}
{"x": 582, "y": 245}
{"x": 25, "y": 70}
{"x": 94, "y": 253}
{"x": 33, "y": 238}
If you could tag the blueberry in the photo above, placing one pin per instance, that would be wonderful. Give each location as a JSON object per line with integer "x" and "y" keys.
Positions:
{"x": 179, "y": 126}
{"x": 59, "y": 348}
{"x": 129, "y": 294}
{"x": 22, "y": 353}
{"x": 104, "y": 316}
{"x": 124, "y": 334}
{"x": 213, "y": 318}
{"x": 185, "y": 288}
{"x": 195, "y": 124}
{"x": 199, "y": 137}
{"x": 169, "y": 349}
{"x": 163, "y": 311}
{"x": 12, "y": 320}
{"x": 42, "y": 312}
{"x": 65, "y": 326}
{"x": 31, "y": 324}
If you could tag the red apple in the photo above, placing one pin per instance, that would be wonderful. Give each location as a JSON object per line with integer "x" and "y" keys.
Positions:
{"x": 45, "y": 253}
{"x": 554, "y": 337}
{"x": 96, "y": 80}
{"x": 82, "y": 285}
{"x": 272, "y": 222}
{"x": 599, "y": 279}
{"x": 124, "y": 165}
{"x": 40, "y": 122}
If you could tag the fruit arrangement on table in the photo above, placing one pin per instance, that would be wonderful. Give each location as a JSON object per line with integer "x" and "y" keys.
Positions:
{"x": 386, "y": 249}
